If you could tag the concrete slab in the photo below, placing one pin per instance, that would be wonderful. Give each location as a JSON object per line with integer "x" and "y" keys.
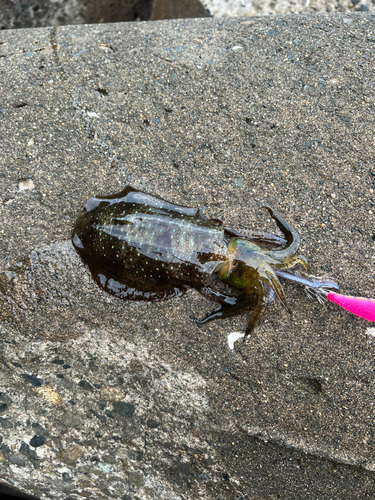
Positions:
{"x": 106, "y": 398}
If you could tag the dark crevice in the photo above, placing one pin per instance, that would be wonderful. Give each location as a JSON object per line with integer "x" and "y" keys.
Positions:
{"x": 311, "y": 384}
{"x": 54, "y": 50}
{"x": 102, "y": 91}
{"x": 20, "y": 104}
{"x": 7, "y": 493}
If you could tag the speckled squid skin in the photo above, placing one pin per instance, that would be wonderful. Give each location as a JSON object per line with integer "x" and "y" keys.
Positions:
{"x": 143, "y": 248}
{"x": 140, "y": 247}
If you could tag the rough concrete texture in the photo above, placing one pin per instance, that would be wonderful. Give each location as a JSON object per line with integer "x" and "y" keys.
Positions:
{"x": 103, "y": 398}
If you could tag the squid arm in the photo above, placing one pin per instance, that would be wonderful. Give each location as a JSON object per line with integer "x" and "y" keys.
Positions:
{"x": 319, "y": 288}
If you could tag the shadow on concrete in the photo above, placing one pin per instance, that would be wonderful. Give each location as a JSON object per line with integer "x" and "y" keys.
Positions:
{"x": 7, "y": 493}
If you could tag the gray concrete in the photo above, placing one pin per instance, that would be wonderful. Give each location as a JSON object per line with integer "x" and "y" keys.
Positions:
{"x": 129, "y": 400}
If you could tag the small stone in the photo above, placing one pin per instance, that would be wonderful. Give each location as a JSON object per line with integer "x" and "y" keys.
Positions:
{"x": 85, "y": 494}
{"x": 112, "y": 393}
{"x": 26, "y": 184}
{"x": 25, "y": 450}
{"x": 102, "y": 404}
{"x": 35, "y": 381}
{"x": 135, "y": 365}
{"x": 3, "y": 408}
{"x": 49, "y": 394}
{"x": 109, "y": 459}
{"x": 185, "y": 469}
{"x": 39, "y": 429}
{"x": 124, "y": 409}
{"x": 86, "y": 385}
{"x": 5, "y": 423}
{"x": 13, "y": 459}
{"x": 363, "y": 8}
{"x": 5, "y": 398}
{"x": 37, "y": 441}
{"x": 105, "y": 467}
{"x": 71, "y": 419}
{"x": 58, "y": 361}
{"x": 135, "y": 478}
{"x": 152, "y": 424}
{"x": 202, "y": 477}
{"x": 135, "y": 455}
{"x": 70, "y": 455}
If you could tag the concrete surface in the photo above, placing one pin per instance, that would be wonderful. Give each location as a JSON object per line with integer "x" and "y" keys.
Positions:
{"x": 102, "y": 398}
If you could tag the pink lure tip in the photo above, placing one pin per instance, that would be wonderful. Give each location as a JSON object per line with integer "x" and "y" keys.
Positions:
{"x": 364, "y": 308}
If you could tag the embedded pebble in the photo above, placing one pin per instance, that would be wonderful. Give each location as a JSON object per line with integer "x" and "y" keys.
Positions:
{"x": 26, "y": 184}
{"x": 49, "y": 394}
{"x": 105, "y": 467}
{"x": 70, "y": 455}
{"x": 112, "y": 393}
{"x": 37, "y": 441}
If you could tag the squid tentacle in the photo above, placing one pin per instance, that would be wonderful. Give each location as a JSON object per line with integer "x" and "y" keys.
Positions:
{"x": 291, "y": 236}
